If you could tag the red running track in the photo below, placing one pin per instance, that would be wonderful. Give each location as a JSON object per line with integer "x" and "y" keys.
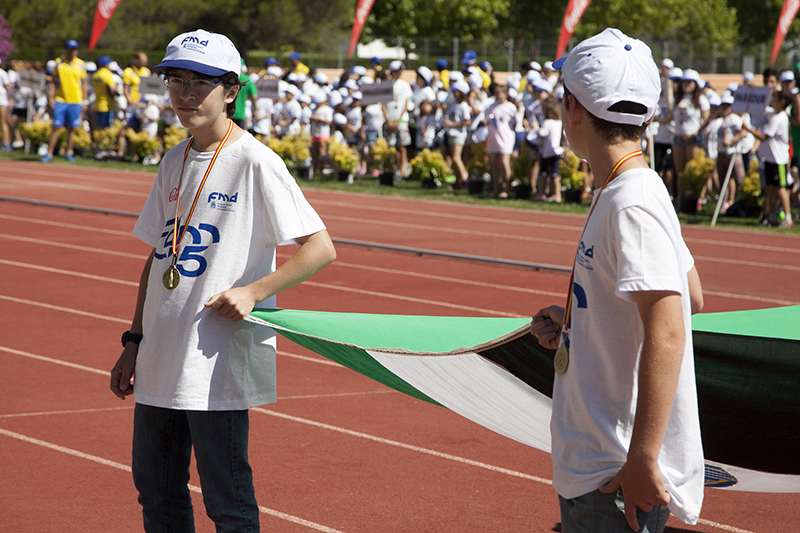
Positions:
{"x": 338, "y": 452}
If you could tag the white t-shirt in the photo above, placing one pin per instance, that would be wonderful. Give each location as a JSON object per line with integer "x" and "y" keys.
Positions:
{"x": 550, "y": 138}
{"x": 666, "y": 130}
{"x": 460, "y": 112}
{"x": 262, "y": 123}
{"x": 689, "y": 118}
{"x": 594, "y": 401}
{"x": 4, "y": 81}
{"x": 402, "y": 92}
{"x": 501, "y": 119}
{"x": 711, "y": 135}
{"x": 321, "y": 129}
{"x": 373, "y": 117}
{"x": 730, "y": 128}
{"x": 190, "y": 358}
{"x": 775, "y": 149}
{"x": 427, "y": 131}
{"x": 354, "y": 122}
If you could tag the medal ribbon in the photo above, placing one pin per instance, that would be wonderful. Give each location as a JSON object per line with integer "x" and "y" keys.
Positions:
{"x": 176, "y": 241}
{"x": 568, "y": 312}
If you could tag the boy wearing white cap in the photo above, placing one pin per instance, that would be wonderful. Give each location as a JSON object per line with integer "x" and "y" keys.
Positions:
{"x": 219, "y": 206}
{"x": 625, "y": 429}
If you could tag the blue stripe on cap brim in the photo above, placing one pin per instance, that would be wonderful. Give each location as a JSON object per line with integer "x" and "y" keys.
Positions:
{"x": 558, "y": 63}
{"x": 193, "y": 66}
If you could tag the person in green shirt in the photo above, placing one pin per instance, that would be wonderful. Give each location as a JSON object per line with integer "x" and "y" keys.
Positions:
{"x": 247, "y": 92}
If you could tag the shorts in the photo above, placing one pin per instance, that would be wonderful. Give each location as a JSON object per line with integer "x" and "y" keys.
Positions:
{"x": 67, "y": 115}
{"x": 20, "y": 112}
{"x": 776, "y": 175}
{"x": 320, "y": 138}
{"x": 372, "y": 136}
{"x": 398, "y": 137}
{"x": 459, "y": 139}
{"x": 103, "y": 119}
{"x": 723, "y": 161}
{"x": 550, "y": 166}
{"x": 519, "y": 138}
{"x": 662, "y": 162}
{"x": 681, "y": 141}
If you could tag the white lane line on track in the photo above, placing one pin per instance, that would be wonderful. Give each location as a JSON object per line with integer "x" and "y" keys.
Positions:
{"x": 492, "y": 235}
{"x": 749, "y": 246}
{"x": 73, "y": 187}
{"x": 69, "y": 273}
{"x": 126, "y": 468}
{"x": 106, "y": 373}
{"x": 68, "y": 412}
{"x": 61, "y": 224}
{"x": 63, "y": 309}
{"x": 337, "y": 395}
{"x": 134, "y": 179}
{"x": 403, "y": 445}
{"x": 412, "y": 299}
{"x": 747, "y": 263}
{"x": 451, "y": 216}
{"x": 752, "y": 298}
{"x": 72, "y": 246}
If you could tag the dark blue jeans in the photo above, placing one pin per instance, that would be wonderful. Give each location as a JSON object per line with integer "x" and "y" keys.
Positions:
{"x": 605, "y": 513}
{"x": 162, "y": 446}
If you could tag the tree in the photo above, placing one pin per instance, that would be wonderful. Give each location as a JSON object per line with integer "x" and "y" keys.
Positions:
{"x": 529, "y": 20}
{"x": 6, "y": 45}
{"x": 465, "y": 19}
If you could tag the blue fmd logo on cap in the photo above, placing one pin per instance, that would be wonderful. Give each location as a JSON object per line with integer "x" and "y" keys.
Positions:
{"x": 717, "y": 477}
{"x": 192, "y": 39}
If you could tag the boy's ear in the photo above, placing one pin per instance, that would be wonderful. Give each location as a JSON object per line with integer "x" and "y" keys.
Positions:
{"x": 232, "y": 93}
{"x": 575, "y": 110}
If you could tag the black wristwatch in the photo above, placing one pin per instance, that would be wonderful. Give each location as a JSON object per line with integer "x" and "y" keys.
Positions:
{"x": 135, "y": 338}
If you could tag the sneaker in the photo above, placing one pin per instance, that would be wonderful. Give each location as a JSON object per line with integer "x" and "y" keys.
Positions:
{"x": 7, "y": 148}
{"x": 786, "y": 224}
{"x": 46, "y": 159}
{"x": 70, "y": 158}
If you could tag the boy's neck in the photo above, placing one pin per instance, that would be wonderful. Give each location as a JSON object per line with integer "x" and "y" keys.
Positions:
{"x": 603, "y": 157}
{"x": 207, "y": 138}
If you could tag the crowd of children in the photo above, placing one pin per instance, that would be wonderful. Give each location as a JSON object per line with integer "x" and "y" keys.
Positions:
{"x": 694, "y": 116}
{"x": 451, "y": 109}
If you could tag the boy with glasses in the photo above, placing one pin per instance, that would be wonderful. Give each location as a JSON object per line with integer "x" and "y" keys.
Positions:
{"x": 221, "y": 203}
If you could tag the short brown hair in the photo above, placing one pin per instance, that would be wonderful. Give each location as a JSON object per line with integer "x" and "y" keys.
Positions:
{"x": 611, "y": 131}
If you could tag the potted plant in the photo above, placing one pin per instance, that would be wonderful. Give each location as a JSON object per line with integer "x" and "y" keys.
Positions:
{"x": 477, "y": 168}
{"x": 344, "y": 158}
{"x": 572, "y": 179}
{"x": 430, "y": 168}
{"x": 295, "y": 152}
{"x": 752, "y": 197}
{"x": 693, "y": 179}
{"x": 520, "y": 173}
{"x": 383, "y": 157}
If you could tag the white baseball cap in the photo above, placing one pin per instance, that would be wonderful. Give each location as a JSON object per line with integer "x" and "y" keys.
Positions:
{"x": 727, "y": 98}
{"x": 536, "y": 66}
{"x": 320, "y": 96}
{"x": 691, "y": 75}
{"x": 201, "y": 51}
{"x": 675, "y": 73}
{"x": 748, "y": 76}
{"x": 426, "y": 74}
{"x": 611, "y": 68}
{"x": 275, "y": 71}
{"x": 396, "y": 65}
{"x": 461, "y": 86}
{"x": 787, "y": 75}
{"x": 667, "y": 62}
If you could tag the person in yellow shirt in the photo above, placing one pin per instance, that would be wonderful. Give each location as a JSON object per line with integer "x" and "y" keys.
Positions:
{"x": 68, "y": 98}
{"x": 105, "y": 89}
{"x": 297, "y": 66}
{"x": 131, "y": 79}
{"x": 444, "y": 73}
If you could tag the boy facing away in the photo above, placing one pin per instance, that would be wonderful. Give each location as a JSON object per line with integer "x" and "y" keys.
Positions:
{"x": 625, "y": 428}
{"x": 221, "y": 203}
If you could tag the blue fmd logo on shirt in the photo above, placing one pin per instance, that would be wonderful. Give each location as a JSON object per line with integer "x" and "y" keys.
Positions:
{"x": 222, "y": 202}
{"x": 717, "y": 477}
{"x": 585, "y": 256}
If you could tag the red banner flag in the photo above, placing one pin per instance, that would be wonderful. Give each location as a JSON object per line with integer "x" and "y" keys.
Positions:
{"x": 102, "y": 14}
{"x": 362, "y": 12}
{"x": 788, "y": 12}
{"x": 573, "y": 14}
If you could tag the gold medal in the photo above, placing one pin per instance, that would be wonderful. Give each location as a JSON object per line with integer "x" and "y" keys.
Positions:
{"x": 171, "y": 278}
{"x": 561, "y": 360}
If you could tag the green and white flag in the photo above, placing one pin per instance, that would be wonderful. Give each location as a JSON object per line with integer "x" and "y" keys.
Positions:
{"x": 493, "y": 372}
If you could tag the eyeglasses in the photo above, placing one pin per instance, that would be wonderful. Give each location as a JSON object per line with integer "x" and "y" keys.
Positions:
{"x": 196, "y": 84}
